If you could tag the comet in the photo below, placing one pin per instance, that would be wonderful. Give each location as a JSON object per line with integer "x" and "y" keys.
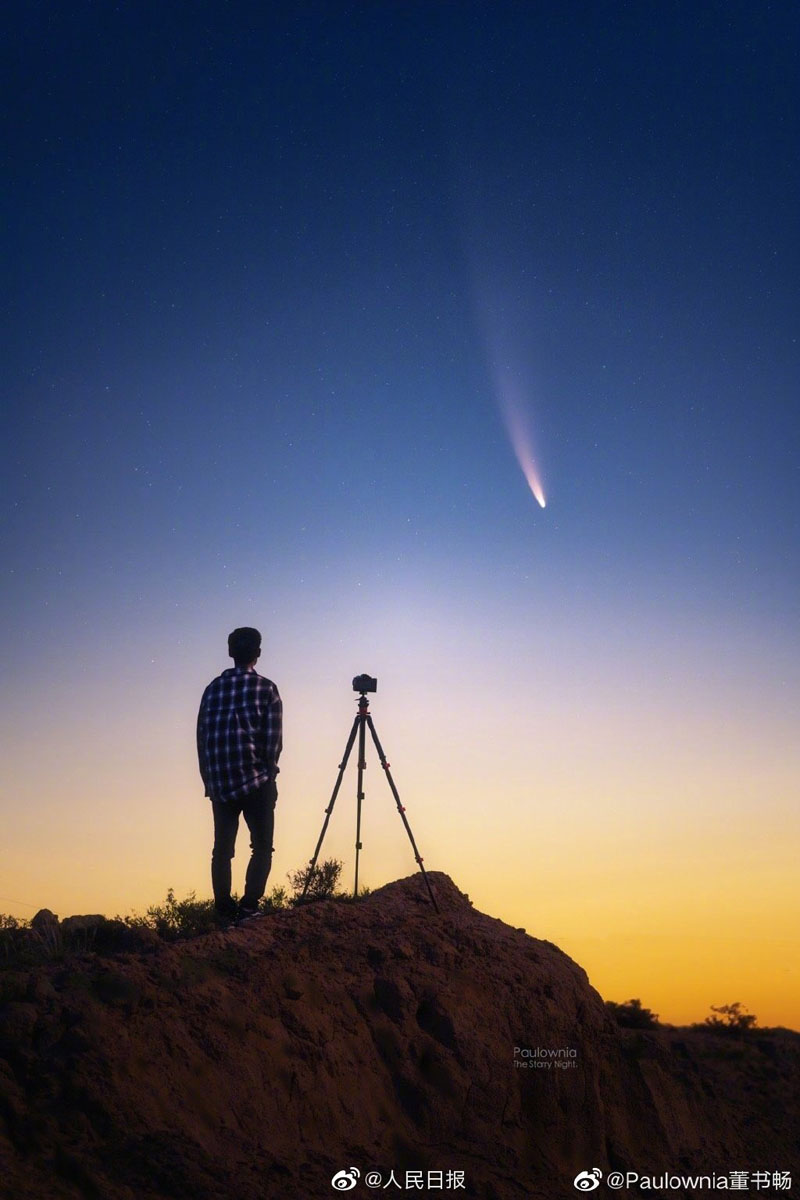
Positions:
{"x": 505, "y": 324}
{"x": 514, "y": 413}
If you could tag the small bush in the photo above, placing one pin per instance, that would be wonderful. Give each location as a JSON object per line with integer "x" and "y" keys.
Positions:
{"x": 321, "y": 883}
{"x": 277, "y": 898}
{"x": 631, "y": 1015}
{"x": 730, "y": 1018}
{"x": 178, "y": 918}
{"x": 12, "y": 934}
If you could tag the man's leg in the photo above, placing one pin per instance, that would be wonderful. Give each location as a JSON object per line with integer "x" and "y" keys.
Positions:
{"x": 226, "y": 825}
{"x": 258, "y": 810}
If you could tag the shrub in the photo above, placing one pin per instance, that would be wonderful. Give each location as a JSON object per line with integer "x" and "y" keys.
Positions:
{"x": 631, "y": 1015}
{"x": 12, "y": 934}
{"x": 178, "y": 918}
{"x": 322, "y": 881}
{"x": 277, "y": 898}
{"x": 730, "y": 1018}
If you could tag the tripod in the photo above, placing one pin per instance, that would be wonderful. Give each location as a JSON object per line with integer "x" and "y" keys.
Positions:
{"x": 362, "y": 720}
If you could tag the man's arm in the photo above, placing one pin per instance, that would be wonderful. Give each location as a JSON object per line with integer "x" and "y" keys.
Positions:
{"x": 273, "y": 732}
{"x": 201, "y": 742}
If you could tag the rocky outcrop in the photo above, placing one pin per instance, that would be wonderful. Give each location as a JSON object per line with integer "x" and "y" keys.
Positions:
{"x": 376, "y": 1036}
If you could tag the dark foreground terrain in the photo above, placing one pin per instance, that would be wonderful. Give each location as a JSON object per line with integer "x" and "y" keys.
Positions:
{"x": 259, "y": 1063}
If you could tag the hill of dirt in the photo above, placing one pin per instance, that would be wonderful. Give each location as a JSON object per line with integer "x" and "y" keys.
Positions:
{"x": 448, "y": 1052}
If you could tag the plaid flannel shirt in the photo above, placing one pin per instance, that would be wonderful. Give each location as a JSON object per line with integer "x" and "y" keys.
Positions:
{"x": 239, "y": 733}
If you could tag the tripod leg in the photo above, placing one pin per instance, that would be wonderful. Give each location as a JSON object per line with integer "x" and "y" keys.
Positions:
{"x": 400, "y": 809}
{"x": 329, "y": 809}
{"x": 362, "y": 763}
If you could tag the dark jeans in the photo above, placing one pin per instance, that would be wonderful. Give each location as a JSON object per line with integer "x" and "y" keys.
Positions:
{"x": 258, "y": 810}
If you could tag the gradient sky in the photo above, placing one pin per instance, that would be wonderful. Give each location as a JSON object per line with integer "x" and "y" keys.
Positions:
{"x": 282, "y": 281}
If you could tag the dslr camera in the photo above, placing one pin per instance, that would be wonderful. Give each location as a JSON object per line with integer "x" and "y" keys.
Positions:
{"x": 365, "y": 683}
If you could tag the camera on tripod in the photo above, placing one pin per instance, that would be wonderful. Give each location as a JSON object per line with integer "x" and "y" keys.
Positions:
{"x": 362, "y": 723}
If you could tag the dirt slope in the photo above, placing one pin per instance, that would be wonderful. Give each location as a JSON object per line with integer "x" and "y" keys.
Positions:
{"x": 379, "y": 1036}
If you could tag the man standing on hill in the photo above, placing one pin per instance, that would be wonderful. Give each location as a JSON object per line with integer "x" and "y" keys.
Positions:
{"x": 239, "y": 741}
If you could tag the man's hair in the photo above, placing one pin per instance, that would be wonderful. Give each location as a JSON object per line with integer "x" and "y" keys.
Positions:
{"x": 244, "y": 645}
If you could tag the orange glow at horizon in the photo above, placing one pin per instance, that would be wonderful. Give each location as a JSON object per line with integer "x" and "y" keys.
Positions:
{"x": 630, "y": 799}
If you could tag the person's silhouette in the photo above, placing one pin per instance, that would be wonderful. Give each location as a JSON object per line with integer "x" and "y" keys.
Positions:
{"x": 239, "y": 741}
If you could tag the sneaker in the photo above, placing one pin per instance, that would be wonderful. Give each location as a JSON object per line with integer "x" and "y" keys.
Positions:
{"x": 246, "y": 913}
